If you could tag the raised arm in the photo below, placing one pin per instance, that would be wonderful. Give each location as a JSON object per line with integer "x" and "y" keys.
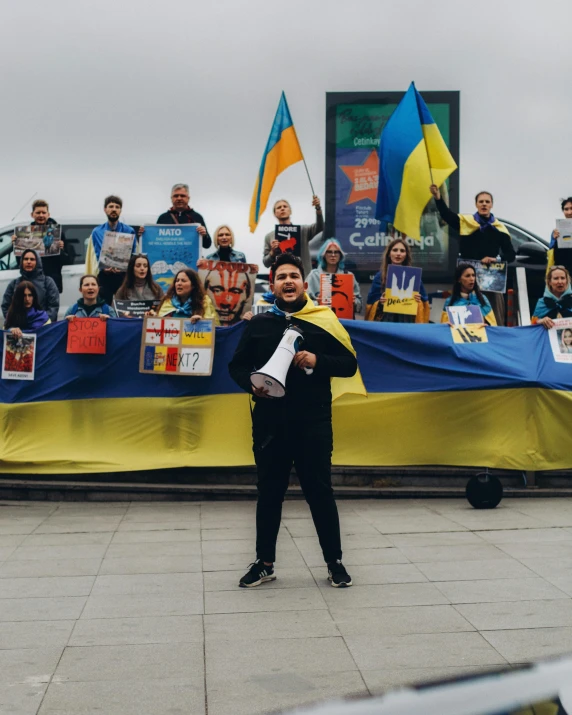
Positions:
{"x": 446, "y": 214}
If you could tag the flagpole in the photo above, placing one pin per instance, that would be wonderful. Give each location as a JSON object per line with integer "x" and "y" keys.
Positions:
{"x": 428, "y": 162}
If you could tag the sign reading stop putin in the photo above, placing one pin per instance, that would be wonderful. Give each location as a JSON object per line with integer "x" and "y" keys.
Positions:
{"x": 87, "y": 335}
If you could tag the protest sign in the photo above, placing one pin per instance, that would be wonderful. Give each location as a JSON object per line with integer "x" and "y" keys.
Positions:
{"x": 469, "y": 334}
{"x": 230, "y": 286}
{"x": 490, "y": 277}
{"x": 337, "y": 292}
{"x": 116, "y": 250}
{"x": 170, "y": 249}
{"x": 176, "y": 346}
{"x": 564, "y": 228}
{"x": 40, "y": 238}
{"x": 87, "y": 335}
{"x": 560, "y": 337}
{"x": 465, "y": 315}
{"x": 134, "y": 308}
{"x": 402, "y": 285}
{"x": 19, "y": 357}
{"x": 289, "y": 237}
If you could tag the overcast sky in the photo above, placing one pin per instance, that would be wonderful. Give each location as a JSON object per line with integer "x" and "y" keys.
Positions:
{"x": 130, "y": 96}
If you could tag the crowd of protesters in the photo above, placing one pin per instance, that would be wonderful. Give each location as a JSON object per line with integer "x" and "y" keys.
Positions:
{"x": 32, "y": 299}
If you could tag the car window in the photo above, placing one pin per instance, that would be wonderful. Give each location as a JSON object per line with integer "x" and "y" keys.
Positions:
{"x": 7, "y": 257}
{"x": 519, "y": 237}
{"x": 76, "y": 239}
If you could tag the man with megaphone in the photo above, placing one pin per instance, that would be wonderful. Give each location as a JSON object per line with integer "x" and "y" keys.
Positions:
{"x": 287, "y": 359}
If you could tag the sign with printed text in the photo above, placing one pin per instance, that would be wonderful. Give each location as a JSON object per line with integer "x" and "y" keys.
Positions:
{"x": 560, "y": 337}
{"x": 134, "y": 308}
{"x": 337, "y": 292}
{"x": 564, "y": 228}
{"x": 465, "y": 315}
{"x": 170, "y": 249}
{"x": 490, "y": 277}
{"x": 289, "y": 237}
{"x": 230, "y": 286}
{"x": 402, "y": 286}
{"x": 470, "y": 334}
{"x": 44, "y": 239}
{"x": 87, "y": 335}
{"x": 19, "y": 357}
{"x": 177, "y": 346}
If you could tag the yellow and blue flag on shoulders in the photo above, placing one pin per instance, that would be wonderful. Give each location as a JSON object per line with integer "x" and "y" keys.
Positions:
{"x": 282, "y": 150}
{"x": 412, "y": 156}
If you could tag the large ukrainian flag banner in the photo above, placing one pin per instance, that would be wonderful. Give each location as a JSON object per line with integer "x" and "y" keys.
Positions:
{"x": 282, "y": 150}
{"x": 412, "y": 156}
{"x": 505, "y": 403}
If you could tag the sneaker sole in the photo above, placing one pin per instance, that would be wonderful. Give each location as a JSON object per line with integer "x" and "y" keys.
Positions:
{"x": 257, "y": 583}
{"x": 339, "y": 585}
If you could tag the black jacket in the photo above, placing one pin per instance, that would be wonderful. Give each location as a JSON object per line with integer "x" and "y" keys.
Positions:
{"x": 187, "y": 216}
{"x": 48, "y": 295}
{"x": 303, "y": 392}
{"x": 479, "y": 244}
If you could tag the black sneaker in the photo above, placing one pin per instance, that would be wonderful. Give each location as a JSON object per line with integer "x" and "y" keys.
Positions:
{"x": 338, "y": 576}
{"x": 257, "y": 574}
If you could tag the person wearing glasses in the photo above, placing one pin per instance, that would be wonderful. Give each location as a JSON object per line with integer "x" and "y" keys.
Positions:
{"x": 181, "y": 212}
{"x": 557, "y": 299}
{"x": 331, "y": 260}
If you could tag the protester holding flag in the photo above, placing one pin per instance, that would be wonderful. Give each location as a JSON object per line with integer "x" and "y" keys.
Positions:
{"x": 283, "y": 212}
{"x": 398, "y": 252}
{"x": 557, "y": 299}
{"x": 557, "y": 255}
{"x": 224, "y": 244}
{"x": 186, "y": 298}
{"x": 331, "y": 260}
{"x": 91, "y": 304}
{"x": 466, "y": 291}
{"x": 25, "y": 313}
{"x": 138, "y": 283}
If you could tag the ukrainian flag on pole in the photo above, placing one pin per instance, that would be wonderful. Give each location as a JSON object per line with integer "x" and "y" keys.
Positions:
{"x": 412, "y": 156}
{"x": 282, "y": 150}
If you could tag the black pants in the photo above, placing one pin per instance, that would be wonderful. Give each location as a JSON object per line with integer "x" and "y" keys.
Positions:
{"x": 307, "y": 443}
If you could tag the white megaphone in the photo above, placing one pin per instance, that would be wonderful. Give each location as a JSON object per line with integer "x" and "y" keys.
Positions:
{"x": 272, "y": 376}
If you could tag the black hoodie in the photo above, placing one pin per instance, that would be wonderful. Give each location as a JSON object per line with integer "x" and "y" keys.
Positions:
{"x": 48, "y": 294}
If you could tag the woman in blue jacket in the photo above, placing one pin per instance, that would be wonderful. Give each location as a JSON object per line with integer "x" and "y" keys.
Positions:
{"x": 91, "y": 304}
{"x": 466, "y": 291}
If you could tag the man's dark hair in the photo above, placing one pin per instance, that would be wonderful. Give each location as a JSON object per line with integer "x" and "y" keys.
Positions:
{"x": 40, "y": 203}
{"x": 287, "y": 259}
{"x": 112, "y": 200}
{"x": 565, "y": 201}
{"x": 488, "y": 193}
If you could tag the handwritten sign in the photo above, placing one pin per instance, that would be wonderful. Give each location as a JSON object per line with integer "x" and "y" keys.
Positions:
{"x": 87, "y": 335}
{"x": 19, "y": 357}
{"x": 230, "y": 286}
{"x": 176, "y": 346}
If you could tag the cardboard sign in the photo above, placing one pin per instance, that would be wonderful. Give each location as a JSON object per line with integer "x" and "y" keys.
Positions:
{"x": 560, "y": 337}
{"x": 465, "y": 315}
{"x": 490, "y": 277}
{"x": 134, "y": 308}
{"x": 289, "y": 238}
{"x": 176, "y": 346}
{"x": 87, "y": 335}
{"x": 470, "y": 334}
{"x": 402, "y": 285}
{"x": 230, "y": 286}
{"x": 337, "y": 292}
{"x": 42, "y": 239}
{"x": 170, "y": 249}
{"x": 564, "y": 227}
{"x": 19, "y": 357}
{"x": 116, "y": 250}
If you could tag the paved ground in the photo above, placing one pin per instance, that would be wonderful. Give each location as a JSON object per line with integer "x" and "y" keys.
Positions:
{"x": 124, "y": 609}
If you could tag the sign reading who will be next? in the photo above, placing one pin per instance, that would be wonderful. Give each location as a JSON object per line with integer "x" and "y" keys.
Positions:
{"x": 176, "y": 346}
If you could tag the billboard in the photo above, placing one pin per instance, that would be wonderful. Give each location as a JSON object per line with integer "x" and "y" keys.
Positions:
{"x": 354, "y": 122}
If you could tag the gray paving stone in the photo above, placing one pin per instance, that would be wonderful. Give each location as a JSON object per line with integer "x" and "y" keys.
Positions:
{"x": 495, "y": 519}
{"x": 131, "y": 662}
{"x": 141, "y": 605}
{"x": 543, "y": 550}
{"x": 246, "y": 600}
{"x": 474, "y": 570}
{"x": 267, "y": 625}
{"x": 8, "y": 540}
{"x": 188, "y": 516}
{"x": 516, "y": 536}
{"x": 300, "y": 577}
{"x": 129, "y": 697}
{"x": 21, "y": 698}
{"x": 149, "y": 526}
{"x": 137, "y": 631}
{"x": 77, "y": 539}
{"x": 446, "y": 538}
{"x": 348, "y": 526}
{"x": 515, "y": 589}
{"x": 241, "y": 561}
{"x": 49, "y": 567}
{"x": 46, "y": 587}
{"x": 36, "y": 553}
{"x": 411, "y": 524}
{"x": 229, "y": 533}
{"x": 156, "y": 584}
{"x": 285, "y": 545}
{"x": 563, "y": 583}
{"x": 459, "y": 552}
{"x": 360, "y": 557}
{"x": 399, "y": 620}
{"x": 151, "y": 564}
{"x": 150, "y": 550}
{"x": 375, "y": 574}
{"x": 551, "y": 567}
{"x": 35, "y": 634}
{"x": 28, "y": 665}
{"x": 394, "y": 594}
{"x": 522, "y": 646}
{"x": 6, "y": 552}
{"x": 378, "y": 681}
{"x": 156, "y": 535}
{"x": 42, "y": 609}
{"x": 517, "y": 614}
{"x": 422, "y": 651}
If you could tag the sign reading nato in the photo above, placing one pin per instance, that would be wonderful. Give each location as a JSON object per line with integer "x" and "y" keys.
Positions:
{"x": 170, "y": 249}
{"x": 402, "y": 287}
